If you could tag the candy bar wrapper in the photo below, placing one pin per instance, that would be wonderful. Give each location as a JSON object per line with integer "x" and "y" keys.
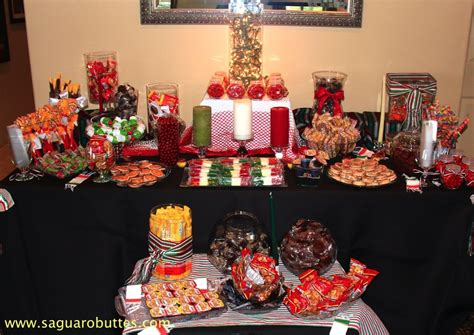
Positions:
{"x": 255, "y": 276}
{"x": 81, "y": 101}
{"x": 320, "y": 295}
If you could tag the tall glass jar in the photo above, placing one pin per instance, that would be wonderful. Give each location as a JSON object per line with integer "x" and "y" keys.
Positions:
{"x": 102, "y": 77}
{"x": 171, "y": 229}
{"x": 162, "y": 98}
{"x": 328, "y": 92}
{"x": 407, "y": 143}
{"x": 167, "y": 134}
{"x": 246, "y": 40}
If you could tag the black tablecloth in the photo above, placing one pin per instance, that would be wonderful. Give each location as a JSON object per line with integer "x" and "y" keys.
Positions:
{"x": 66, "y": 253}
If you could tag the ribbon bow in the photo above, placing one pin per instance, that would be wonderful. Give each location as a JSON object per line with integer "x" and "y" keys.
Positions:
{"x": 322, "y": 94}
{"x": 414, "y": 91}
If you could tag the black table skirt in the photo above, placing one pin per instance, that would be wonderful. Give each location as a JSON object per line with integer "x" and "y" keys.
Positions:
{"x": 66, "y": 253}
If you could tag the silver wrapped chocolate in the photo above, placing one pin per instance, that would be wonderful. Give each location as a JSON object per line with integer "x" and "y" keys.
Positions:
{"x": 236, "y": 231}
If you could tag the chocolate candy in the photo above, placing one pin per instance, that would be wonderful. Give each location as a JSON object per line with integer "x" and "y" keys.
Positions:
{"x": 308, "y": 245}
{"x": 235, "y": 232}
{"x": 126, "y": 100}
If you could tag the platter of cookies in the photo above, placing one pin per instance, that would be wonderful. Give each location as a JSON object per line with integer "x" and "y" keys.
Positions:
{"x": 362, "y": 173}
{"x": 138, "y": 174}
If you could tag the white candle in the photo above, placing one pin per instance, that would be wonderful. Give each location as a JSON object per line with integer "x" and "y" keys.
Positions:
{"x": 18, "y": 146}
{"x": 429, "y": 130}
{"x": 243, "y": 119}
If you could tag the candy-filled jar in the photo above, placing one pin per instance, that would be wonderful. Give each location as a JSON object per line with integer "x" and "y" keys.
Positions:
{"x": 452, "y": 176}
{"x": 171, "y": 236}
{"x": 328, "y": 92}
{"x": 102, "y": 76}
{"x": 236, "y": 89}
{"x": 276, "y": 89}
{"x": 442, "y": 161}
{"x": 167, "y": 134}
{"x": 236, "y": 231}
{"x": 458, "y": 156}
{"x": 100, "y": 158}
{"x": 256, "y": 89}
{"x": 468, "y": 170}
{"x": 406, "y": 144}
{"x": 216, "y": 88}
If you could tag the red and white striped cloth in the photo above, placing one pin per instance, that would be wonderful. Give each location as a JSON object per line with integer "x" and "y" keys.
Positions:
{"x": 223, "y": 143}
{"x": 362, "y": 317}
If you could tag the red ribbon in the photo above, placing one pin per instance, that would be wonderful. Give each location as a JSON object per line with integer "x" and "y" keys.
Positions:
{"x": 322, "y": 94}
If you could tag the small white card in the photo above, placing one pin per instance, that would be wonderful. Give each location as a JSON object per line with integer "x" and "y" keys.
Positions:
{"x": 150, "y": 331}
{"x": 133, "y": 293}
{"x": 201, "y": 283}
{"x": 339, "y": 327}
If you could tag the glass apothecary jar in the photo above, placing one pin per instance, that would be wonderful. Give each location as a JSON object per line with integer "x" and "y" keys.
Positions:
{"x": 102, "y": 77}
{"x": 328, "y": 92}
{"x": 236, "y": 231}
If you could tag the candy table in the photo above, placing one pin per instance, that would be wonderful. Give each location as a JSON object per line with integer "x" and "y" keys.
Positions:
{"x": 65, "y": 254}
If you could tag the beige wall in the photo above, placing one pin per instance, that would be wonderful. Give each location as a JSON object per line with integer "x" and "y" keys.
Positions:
{"x": 397, "y": 35}
{"x": 16, "y": 92}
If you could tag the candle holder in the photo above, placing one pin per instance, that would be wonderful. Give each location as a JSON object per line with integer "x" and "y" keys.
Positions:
{"x": 278, "y": 152}
{"x": 202, "y": 152}
{"x": 21, "y": 155}
{"x": 425, "y": 171}
{"x": 242, "y": 151}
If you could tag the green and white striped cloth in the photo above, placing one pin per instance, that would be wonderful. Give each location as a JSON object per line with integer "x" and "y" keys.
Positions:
{"x": 362, "y": 317}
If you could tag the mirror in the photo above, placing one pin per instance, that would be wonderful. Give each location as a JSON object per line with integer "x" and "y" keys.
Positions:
{"x": 326, "y": 13}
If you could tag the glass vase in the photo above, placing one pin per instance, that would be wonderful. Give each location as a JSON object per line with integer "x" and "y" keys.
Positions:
{"x": 246, "y": 40}
{"x": 102, "y": 77}
{"x": 406, "y": 144}
{"x": 167, "y": 134}
{"x": 328, "y": 92}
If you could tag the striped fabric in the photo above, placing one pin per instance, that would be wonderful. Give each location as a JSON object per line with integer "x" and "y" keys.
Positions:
{"x": 362, "y": 317}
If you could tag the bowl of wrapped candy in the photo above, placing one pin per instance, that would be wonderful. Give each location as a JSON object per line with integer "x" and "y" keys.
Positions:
{"x": 62, "y": 164}
{"x": 332, "y": 134}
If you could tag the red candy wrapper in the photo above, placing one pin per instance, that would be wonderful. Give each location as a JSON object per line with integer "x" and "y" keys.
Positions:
{"x": 321, "y": 296}
{"x": 102, "y": 79}
{"x": 255, "y": 277}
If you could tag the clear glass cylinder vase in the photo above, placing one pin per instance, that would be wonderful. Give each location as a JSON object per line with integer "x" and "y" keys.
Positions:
{"x": 102, "y": 76}
{"x": 246, "y": 40}
{"x": 406, "y": 144}
{"x": 328, "y": 92}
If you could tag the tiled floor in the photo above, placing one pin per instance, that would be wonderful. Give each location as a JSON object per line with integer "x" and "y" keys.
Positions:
{"x": 6, "y": 165}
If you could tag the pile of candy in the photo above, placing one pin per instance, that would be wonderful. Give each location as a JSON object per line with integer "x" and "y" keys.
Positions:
{"x": 454, "y": 169}
{"x": 449, "y": 128}
{"x": 50, "y": 124}
{"x": 126, "y": 101}
{"x": 362, "y": 172}
{"x": 308, "y": 245}
{"x": 172, "y": 299}
{"x": 162, "y": 103}
{"x": 168, "y": 130}
{"x": 273, "y": 87}
{"x": 235, "y": 172}
{"x": 102, "y": 77}
{"x": 59, "y": 89}
{"x": 64, "y": 164}
{"x": 255, "y": 276}
{"x": 235, "y": 232}
{"x": 137, "y": 174}
{"x": 322, "y": 297}
{"x": 117, "y": 130}
{"x": 332, "y": 134}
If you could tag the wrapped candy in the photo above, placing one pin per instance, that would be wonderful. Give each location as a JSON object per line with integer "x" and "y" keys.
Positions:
{"x": 256, "y": 90}
{"x": 102, "y": 75}
{"x": 126, "y": 101}
{"x": 117, "y": 130}
{"x": 236, "y": 231}
{"x": 276, "y": 89}
{"x": 320, "y": 297}
{"x": 63, "y": 165}
{"x": 236, "y": 89}
{"x": 255, "y": 276}
{"x": 452, "y": 176}
{"x": 308, "y": 245}
{"x": 216, "y": 88}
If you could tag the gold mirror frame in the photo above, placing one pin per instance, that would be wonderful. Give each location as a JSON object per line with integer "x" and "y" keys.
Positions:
{"x": 350, "y": 19}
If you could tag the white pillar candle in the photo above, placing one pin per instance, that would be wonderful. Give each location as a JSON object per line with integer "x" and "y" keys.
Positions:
{"x": 243, "y": 119}
{"x": 429, "y": 130}
{"x": 18, "y": 146}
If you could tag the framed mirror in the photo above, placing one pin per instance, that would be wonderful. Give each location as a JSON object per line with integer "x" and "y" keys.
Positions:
{"x": 323, "y": 13}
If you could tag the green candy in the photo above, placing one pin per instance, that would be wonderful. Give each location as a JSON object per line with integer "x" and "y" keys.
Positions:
{"x": 137, "y": 134}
